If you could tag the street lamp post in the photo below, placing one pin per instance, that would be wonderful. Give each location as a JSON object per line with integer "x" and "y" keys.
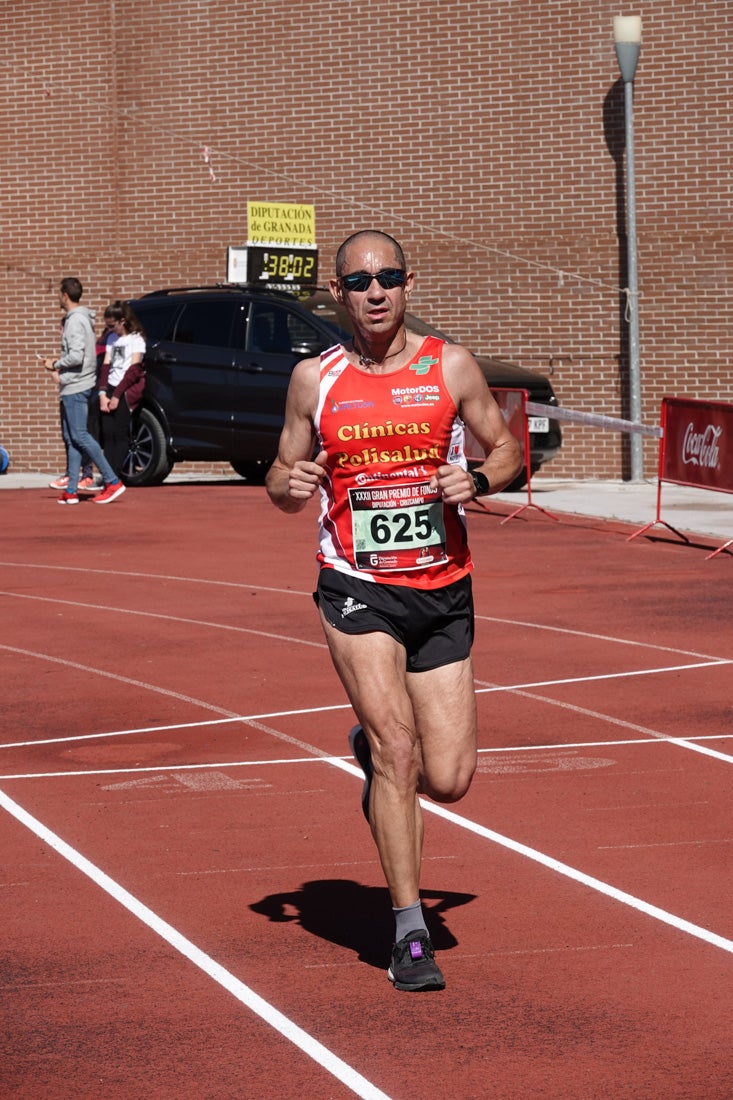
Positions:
{"x": 627, "y": 37}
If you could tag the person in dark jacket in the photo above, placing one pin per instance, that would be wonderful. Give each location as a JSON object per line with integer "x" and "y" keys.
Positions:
{"x": 121, "y": 383}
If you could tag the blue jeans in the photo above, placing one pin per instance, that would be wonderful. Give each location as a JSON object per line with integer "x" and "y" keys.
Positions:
{"x": 74, "y": 409}
{"x": 87, "y": 466}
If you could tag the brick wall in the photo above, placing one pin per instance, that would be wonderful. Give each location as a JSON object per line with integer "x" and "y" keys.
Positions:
{"x": 487, "y": 137}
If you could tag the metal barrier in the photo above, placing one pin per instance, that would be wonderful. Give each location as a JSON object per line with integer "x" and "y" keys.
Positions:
{"x": 695, "y": 445}
{"x": 514, "y": 405}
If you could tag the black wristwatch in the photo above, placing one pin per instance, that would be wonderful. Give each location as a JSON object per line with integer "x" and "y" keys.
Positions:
{"x": 480, "y": 482}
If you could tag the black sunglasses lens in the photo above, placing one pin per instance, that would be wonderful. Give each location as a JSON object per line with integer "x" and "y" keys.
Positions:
{"x": 388, "y": 278}
{"x": 358, "y": 280}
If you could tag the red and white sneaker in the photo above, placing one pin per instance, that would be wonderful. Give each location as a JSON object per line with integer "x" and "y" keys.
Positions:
{"x": 88, "y": 485}
{"x": 68, "y": 498}
{"x": 59, "y": 482}
{"x": 110, "y": 493}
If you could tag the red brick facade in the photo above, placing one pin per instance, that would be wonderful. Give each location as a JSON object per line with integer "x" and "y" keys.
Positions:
{"x": 487, "y": 137}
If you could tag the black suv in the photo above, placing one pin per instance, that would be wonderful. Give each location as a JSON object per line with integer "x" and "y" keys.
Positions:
{"x": 218, "y": 363}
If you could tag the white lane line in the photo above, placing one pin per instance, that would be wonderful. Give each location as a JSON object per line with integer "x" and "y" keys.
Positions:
{"x": 174, "y": 726}
{"x": 713, "y": 662}
{"x": 699, "y": 842}
{"x": 244, "y": 630}
{"x": 563, "y": 746}
{"x": 159, "y": 577}
{"x": 308, "y": 594}
{"x": 555, "y": 865}
{"x": 166, "y": 618}
{"x": 315, "y": 759}
{"x": 562, "y": 868}
{"x": 680, "y": 742}
{"x": 597, "y": 637}
{"x": 246, "y": 996}
{"x": 262, "y": 1008}
{"x": 551, "y": 950}
{"x": 120, "y": 679}
{"x": 232, "y": 716}
{"x": 266, "y": 1011}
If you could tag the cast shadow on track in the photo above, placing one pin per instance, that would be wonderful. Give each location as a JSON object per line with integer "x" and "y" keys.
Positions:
{"x": 357, "y": 917}
{"x": 680, "y": 538}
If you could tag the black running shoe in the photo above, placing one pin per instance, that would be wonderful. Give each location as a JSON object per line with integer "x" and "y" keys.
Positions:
{"x": 413, "y": 967}
{"x": 363, "y": 757}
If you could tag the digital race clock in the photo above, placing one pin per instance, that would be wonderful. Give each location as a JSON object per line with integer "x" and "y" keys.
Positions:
{"x": 268, "y": 264}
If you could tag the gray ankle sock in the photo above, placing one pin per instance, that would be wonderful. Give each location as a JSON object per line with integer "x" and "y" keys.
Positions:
{"x": 408, "y": 919}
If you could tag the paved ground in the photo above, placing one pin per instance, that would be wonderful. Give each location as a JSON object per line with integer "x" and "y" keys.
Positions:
{"x": 698, "y": 511}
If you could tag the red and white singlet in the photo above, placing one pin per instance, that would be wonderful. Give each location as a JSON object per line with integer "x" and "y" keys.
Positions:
{"x": 385, "y": 435}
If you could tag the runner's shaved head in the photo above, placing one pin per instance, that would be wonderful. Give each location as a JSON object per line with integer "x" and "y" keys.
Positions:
{"x": 362, "y": 236}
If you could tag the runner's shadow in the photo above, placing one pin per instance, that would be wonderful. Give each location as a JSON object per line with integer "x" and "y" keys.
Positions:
{"x": 357, "y": 917}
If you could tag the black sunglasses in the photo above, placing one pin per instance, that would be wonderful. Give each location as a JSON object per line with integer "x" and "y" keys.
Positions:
{"x": 388, "y": 278}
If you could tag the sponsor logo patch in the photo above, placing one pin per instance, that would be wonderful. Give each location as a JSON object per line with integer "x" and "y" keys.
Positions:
{"x": 350, "y": 606}
{"x": 349, "y": 406}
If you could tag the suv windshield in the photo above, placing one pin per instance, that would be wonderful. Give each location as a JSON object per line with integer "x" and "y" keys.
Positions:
{"x": 323, "y": 306}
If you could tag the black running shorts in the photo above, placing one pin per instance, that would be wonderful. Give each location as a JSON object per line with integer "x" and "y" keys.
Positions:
{"x": 436, "y": 627}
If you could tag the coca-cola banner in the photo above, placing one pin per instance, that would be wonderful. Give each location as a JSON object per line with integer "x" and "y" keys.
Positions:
{"x": 697, "y": 447}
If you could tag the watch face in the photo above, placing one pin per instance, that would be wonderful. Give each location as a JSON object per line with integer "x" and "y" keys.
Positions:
{"x": 481, "y": 482}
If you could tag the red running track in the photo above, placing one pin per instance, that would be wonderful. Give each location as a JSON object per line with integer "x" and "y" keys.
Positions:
{"x": 192, "y": 905}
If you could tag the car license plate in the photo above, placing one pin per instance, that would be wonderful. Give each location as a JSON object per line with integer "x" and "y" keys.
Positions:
{"x": 538, "y": 424}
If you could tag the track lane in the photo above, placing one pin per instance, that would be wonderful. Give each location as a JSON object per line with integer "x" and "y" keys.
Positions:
{"x": 551, "y": 985}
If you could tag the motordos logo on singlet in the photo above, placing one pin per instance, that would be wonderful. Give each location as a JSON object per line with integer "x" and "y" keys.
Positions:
{"x": 408, "y": 397}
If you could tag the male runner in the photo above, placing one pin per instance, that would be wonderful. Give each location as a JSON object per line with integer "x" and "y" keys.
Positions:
{"x": 384, "y": 416}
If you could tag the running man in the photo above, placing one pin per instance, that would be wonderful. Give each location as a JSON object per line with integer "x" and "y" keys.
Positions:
{"x": 383, "y": 415}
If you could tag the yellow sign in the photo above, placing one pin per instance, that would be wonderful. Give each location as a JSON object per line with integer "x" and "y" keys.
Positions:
{"x": 281, "y": 223}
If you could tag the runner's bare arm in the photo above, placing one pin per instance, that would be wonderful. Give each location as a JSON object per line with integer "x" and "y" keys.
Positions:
{"x": 481, "y": 414}
{"x": 293, "y": 478}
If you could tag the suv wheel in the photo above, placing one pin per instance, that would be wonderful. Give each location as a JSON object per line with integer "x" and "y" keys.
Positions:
{"x": 253, "y": 472}
{"x": 147, "y": 461}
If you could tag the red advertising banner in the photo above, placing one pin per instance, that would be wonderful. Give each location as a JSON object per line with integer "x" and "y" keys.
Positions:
{"x": 697, "y": 445}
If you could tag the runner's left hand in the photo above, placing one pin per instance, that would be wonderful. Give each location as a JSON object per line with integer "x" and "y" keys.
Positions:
{"x": 454, "y": 484}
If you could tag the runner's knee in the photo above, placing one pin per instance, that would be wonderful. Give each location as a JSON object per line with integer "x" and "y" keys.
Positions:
{"x": 449, "y": 786}
{"x": 395, "y": 756}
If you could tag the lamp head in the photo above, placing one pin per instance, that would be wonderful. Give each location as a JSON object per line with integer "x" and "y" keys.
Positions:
{"x": 627, "y": 37}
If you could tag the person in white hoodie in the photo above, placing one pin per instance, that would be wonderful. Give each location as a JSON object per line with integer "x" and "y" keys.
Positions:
{"x": 76, "y": 371}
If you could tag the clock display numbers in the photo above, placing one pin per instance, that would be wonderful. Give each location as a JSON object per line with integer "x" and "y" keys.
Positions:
{"x": 281, "y": 265}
